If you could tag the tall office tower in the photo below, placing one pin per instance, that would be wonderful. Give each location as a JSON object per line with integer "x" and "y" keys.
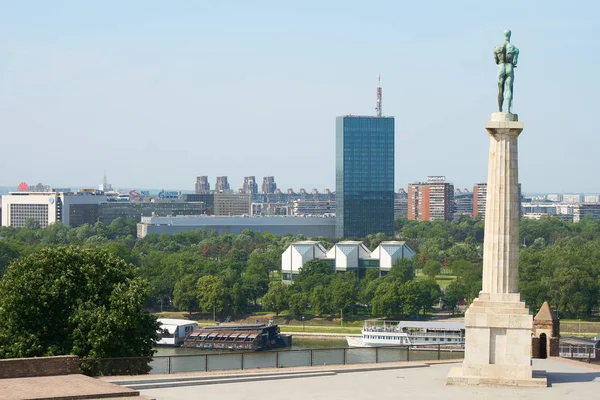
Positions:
{"x": 221, "y": 184}
{"x": 268, "y": 186}
{"x": 432, "y": 200}
{"x": 479, "y": 200}
{"x": 250, "y": 186}
{"x": 202, "y": 185}
{"x": 364, "y": 176}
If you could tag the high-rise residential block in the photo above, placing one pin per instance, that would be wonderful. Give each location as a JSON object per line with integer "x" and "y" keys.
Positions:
{"x": 269, "y": 186}
{"x": 401, "y": 204}
{"x": 364, "y": 176}
{"x": 221, "y": 184}
{"x": 432, "y": 200}
{"x": 250, "y": 186}
{"x": 202, "y": 185}
{"x": 480, "y": 196}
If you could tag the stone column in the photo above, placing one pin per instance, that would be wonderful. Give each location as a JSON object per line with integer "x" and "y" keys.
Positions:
{"x": 501, "y": 241}
{"x": 498, "y": 324}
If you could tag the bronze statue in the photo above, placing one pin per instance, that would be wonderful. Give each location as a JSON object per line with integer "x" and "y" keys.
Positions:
{"x": 506, "y": 56}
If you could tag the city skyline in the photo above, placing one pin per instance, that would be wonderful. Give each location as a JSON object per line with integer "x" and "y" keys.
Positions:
{"x": 147, "y": 90}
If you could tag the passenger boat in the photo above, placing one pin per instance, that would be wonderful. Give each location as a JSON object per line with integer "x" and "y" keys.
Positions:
{"x": 407, "y": 333}
{"x": 251, "y": 337}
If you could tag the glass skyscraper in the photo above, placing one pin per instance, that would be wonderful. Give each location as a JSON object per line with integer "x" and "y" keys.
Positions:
{"x": 364, "y": 176}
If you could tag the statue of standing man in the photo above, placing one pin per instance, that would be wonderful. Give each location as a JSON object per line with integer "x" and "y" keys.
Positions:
{"x": 506, "y": 56}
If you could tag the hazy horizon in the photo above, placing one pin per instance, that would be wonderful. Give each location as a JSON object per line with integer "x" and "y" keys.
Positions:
{"x": 155, "y": 94}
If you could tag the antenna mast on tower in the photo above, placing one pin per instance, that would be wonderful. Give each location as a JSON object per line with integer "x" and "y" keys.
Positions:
{"x": 379, "y": 106}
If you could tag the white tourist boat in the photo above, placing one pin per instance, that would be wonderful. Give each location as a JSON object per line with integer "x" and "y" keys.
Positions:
{"x": 406, "y": 333}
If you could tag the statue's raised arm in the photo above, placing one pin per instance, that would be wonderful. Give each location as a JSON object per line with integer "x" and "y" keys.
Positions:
{"x": 506, "y": 56}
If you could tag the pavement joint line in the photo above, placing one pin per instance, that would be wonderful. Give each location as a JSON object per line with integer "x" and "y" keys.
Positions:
{"x": 178, "y": 381}
{"x": 144, "y": 386}
{"x": 176, "y": 378}
{"x": 202, "y": 375}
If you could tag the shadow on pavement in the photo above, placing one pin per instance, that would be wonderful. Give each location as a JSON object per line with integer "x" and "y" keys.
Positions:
{"x": 572, "y": 377}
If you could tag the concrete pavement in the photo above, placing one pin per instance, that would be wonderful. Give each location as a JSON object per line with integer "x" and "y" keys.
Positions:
{"x": 566, "y": 380}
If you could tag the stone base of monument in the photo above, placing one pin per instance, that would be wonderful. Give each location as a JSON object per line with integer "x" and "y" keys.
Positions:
{"x": 498, "y": 344}
{"x": 456, "y": 377}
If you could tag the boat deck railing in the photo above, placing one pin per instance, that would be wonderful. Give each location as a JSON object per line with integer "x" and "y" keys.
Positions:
{"x": 578, "y": 352}
{"x": 219, "y": 361}
{"x": 417, "y": 333}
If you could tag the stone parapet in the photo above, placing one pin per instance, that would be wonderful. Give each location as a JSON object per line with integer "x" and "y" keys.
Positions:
{"x": 38, "y": 366}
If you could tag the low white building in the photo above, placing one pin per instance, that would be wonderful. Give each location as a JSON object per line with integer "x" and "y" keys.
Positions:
{"x": 72, "y": 209}
{"x": 172, "y": 332}
{"x": 343, "y": 256}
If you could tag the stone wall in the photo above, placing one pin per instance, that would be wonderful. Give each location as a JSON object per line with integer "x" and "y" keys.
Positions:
{"x": 38, "y": 366}
{"x": 535, "y": 347}
{"x": 554, "y": 347}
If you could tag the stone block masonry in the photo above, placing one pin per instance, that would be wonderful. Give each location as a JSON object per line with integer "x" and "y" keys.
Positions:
{"x": 38, "y": 366}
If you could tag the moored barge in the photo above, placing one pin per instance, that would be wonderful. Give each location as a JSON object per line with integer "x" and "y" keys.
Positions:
{"x": 249, "y": 337}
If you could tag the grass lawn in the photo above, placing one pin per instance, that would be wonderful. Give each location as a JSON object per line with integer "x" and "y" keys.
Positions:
{"x": 578, "y": 334}
{"x": 442, "y": 280}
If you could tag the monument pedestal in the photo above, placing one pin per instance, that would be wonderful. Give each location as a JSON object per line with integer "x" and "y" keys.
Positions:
{"x": 498, "y": 344}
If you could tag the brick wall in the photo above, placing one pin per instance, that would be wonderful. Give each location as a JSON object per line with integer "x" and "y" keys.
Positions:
{"x": 38, "y": 366}
{"x": 535, "y": 347}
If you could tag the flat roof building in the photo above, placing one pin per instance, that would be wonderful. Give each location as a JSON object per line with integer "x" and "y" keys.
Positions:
{"x": 432, "y": 200}
{"x": 277, "y": 225}
{"x": 583, "y": 210}
{"x": 364, "y": 176}
{"x": 229, "y": 203}
{"x": 72, "y": 209}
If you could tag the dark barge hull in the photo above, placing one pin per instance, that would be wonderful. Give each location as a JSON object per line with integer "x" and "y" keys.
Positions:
{"x": 237, "y": 338}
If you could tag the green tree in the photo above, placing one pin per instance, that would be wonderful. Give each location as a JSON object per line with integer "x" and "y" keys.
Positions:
{"x": 343, "y": 293}
{"x": 185, "y": 294}
{"x": 320, "y": 300}
{"x": 429, "y": 293}
{"x": 239, "y": 299}
{"x": 314, "y": 273}
{"x": 298, "y": 303}
{"x": 277, "y": 297}
{"x": 69, "y": 300}
{"x": 255, "y": 281}
{"x": 31, "y": 224}
{"x": 455, "y": 292}
{"x": 211, "y": 293}
{"x": 8, "y": 253}
{"x": 402, "y": 271}
{"x": 386, "y": 300}
{"x": 432, "y": 268}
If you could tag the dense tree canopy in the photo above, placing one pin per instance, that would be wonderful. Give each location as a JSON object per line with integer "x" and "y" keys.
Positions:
{"x": 68, "y": 300}
{"x": 558, "y": 262}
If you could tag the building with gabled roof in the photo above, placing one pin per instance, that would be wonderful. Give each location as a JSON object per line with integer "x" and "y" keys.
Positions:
{"x": 546, "y": 333}
{"x": 344, "y": 256}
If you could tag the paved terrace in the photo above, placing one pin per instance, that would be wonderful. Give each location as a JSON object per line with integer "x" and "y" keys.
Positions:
{"x": 67, "y": 387}
{"x": 567, "y": 380}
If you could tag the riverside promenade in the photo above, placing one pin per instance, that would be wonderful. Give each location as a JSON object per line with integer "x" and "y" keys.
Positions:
{"x": 566, "y": 379}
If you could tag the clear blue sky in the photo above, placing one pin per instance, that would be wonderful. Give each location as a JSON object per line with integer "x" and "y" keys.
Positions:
{"x": 155, "y": 93}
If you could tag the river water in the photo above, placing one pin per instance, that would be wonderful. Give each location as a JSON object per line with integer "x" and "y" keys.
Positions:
{"x": 298, "y": 343}
{"x": 303, "y": 352}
